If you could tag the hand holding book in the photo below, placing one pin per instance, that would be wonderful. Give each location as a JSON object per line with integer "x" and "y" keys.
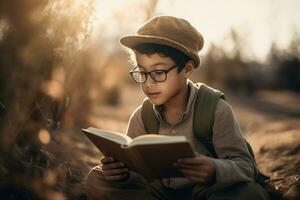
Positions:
{"x": 113, "y": 170}
{"x": 200, "y": 169}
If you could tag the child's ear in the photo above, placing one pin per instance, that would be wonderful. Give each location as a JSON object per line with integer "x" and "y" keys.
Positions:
{"x": 189, "y": 68}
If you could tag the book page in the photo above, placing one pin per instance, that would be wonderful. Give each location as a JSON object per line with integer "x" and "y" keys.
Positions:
{"x": 156, "y": 139}
{"x": 110, "y": 135}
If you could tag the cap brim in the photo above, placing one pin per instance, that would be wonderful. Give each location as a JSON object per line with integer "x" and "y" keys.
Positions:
{"x": 131, "y": 41}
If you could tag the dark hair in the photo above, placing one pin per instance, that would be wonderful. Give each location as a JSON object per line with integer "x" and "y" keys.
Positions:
{"x": 165, "y": 51}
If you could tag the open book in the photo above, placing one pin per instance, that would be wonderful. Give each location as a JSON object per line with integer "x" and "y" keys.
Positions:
{"x": 150, "y": 155}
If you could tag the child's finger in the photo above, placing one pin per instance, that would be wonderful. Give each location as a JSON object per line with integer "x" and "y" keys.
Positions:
{"x": 189, "y": 166}
{"x": 114, "y": 165}
{"x": 116, "y": 177}
{"x": 114, "y": 172}
{"x": 193, "y": 161}
{"x": 105, "y": 160}
{"x": 196, "y": 174}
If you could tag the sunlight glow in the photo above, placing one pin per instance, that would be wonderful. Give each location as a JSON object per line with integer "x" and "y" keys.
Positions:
{"x": 50, "y": 177}
{"x": 55, "y": 87}
{"x": 44, "y": 136}
{"x": 260, "y": 22}
{"x": 4, "y": 26}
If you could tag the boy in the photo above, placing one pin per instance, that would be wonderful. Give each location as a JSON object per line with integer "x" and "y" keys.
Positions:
{"x": 166, "y": 53}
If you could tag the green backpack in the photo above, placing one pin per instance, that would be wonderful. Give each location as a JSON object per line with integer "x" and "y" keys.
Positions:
{"x": 205, "y": 106}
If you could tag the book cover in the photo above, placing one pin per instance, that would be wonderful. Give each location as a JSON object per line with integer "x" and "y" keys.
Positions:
{"x": 150, "y": 155}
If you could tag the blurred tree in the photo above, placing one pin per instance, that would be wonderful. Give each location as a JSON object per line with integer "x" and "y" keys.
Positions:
{"x": 38, "y": 40}
{"x": 228, "y": 70}
{"x": 150, "y": 7}
{"x": 284, "y": 65}
{"x": 294, "y": 46}
{"x": 288, "y": 74}
{"x": 49, "y": 76}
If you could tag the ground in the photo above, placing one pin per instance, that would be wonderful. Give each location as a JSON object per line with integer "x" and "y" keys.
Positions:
{"x": 269, "y": 121}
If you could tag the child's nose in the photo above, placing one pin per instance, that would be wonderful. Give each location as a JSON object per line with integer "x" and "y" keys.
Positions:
{"x": 149, "y": 81}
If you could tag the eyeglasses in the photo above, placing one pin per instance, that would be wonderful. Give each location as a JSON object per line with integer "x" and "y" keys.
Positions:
{"x": 156, "y": 75}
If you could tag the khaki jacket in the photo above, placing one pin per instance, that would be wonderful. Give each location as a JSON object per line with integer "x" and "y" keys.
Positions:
{"x": 233, "y": 163}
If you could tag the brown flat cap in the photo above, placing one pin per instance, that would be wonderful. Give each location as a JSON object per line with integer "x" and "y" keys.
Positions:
{"x": 170, "y": 31}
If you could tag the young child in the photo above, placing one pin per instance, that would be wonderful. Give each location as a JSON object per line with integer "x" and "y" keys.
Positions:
{"x": 166, "y": 53}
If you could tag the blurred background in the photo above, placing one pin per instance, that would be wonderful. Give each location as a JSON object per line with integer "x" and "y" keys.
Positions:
{"x": 62, "y": 68}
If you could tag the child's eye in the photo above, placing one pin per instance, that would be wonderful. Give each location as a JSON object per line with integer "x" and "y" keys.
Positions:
{"x": 158, "y": 76}
{"x": 158, "y": 73}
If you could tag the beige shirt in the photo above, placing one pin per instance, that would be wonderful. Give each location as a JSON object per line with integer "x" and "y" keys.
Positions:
{"x": 234, "y": 163}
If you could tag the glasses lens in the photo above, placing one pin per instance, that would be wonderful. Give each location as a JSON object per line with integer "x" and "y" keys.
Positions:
{"x": 158, "y": 76}
{"x": 138, "y": 77}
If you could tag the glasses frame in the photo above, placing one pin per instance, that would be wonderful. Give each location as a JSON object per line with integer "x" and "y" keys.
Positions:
{"x": 151, "y": 74}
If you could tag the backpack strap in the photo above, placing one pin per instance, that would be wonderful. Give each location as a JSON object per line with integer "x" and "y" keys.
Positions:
{"x": 206, "y": 103}
{"x": 205, "y": 106}
{"x": 149, "y": 117}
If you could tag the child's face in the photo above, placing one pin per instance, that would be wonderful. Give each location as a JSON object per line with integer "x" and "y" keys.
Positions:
{"x": 160, "y": 93}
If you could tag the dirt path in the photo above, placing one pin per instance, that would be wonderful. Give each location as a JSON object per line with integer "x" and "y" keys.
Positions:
{"x": 271, "y": 123}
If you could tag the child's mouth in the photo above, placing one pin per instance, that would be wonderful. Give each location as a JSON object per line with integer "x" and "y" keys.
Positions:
{"x": 153, "y": 95}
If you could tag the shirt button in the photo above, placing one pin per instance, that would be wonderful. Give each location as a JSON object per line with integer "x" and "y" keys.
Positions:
{"x": 173, "y": 131}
